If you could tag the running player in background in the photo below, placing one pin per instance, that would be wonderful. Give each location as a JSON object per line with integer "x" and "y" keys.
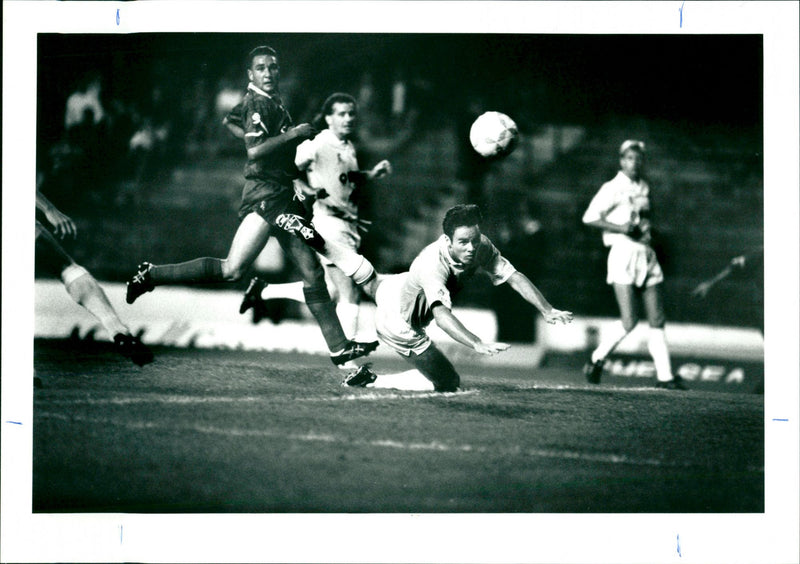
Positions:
{"x": 621, "y": 209}
{"x": 408, "y": 302}
{"x": 271, "y": 204}
{"x": 335, "y": 180}
{"x": 79, "y": 283}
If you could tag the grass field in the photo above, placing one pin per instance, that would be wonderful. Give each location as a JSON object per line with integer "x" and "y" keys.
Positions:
{"x": 215, "y": 431}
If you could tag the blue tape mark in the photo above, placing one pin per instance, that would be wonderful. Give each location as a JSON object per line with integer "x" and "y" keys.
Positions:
{"x": 117, "y": 16}
{"x": 120, "y": 534}
{"x": 680, "y": 10}
{"x": 679, "y": 546}
{"x": 15, "y": 422}
{"x": 775, "y": 419}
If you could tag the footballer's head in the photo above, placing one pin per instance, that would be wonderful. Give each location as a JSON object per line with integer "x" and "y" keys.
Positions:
{"x": 263, "y": 70}
{"x": 340, "y": 112}
{"x": 461, "y": 227}
{"x": 631, "y": 158}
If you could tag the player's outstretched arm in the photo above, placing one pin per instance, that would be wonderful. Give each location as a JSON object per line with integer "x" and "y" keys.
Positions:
{"x": 531, "y": 294}
{"x": 62, "y": 223}
{"x": 451, "y": 325}
{"x": 702, "y": 289}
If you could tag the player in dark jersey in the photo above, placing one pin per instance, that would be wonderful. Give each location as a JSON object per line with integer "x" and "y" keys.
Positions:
{"x": 79, "y": 283}
{"x": 270, "y": 205}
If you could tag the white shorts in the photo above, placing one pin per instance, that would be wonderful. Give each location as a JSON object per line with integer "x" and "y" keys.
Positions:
{"x": 634, "y": 264}
{"x": 336, "y": 230}
{"x": 390, "y": 325}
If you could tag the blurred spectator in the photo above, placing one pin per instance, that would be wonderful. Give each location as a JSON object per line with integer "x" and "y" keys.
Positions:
{"x": 83, "y": 105}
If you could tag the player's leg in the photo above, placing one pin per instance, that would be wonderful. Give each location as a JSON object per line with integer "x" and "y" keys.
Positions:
{"x": 317, "y": 298}
{"x": 436, "y": 368}
{"x": 293, "y": 220}
{"x": 84, "y": 289}
{"x": 625, "y": 295}
{"x": 250, "y": 238}
{"x": 432, "y": 372}
{"x": 656, "y": 339}
{"x": 349, "y": 296}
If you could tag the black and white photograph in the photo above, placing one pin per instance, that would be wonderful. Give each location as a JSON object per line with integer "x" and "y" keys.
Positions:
{"x": 400, "y": 282}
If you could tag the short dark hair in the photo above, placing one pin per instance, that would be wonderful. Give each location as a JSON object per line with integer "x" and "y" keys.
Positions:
{"x": 460, "y": 216}
{"x": 258, "y": 51}
{"x": 336, "y": 98}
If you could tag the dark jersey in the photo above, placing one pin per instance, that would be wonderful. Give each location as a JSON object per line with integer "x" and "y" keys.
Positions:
{"x": 265, "y": 117}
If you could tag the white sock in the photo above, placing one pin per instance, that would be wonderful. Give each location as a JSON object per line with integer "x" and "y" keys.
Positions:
{"x": 288, "y": 290}
{"x": 609, "y": 342}
{"x": 408, "y": 380}
{"x": 348, "y": 317}
{"x": 657, "y": 345}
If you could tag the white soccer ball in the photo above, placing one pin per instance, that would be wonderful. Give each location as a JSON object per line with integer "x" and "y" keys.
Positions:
{"x": 493, "y": 134}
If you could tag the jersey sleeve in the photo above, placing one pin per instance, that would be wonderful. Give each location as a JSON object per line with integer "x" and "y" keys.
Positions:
{"x": 255, "y": 127}
{"x": 601, "y": 204}
{"x": 495, "y": 264}
{"x": 236, "y": 115}
{"x": 306, "y": 152}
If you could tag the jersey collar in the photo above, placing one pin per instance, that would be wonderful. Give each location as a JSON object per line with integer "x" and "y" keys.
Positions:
{"x": 257, "y": 90}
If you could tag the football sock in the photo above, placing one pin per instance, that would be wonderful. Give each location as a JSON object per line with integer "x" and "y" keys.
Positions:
{"x": 657, "y": 345}
{"x": 288, "y": 290}
{"x": 324, "y": 312}
{"x": 408, "y": 380}
{"x": 610, "y": 342}
{"x": 197, "y": 271}
{"x": 348, "y": 317}
{"x": 84, "y": 289}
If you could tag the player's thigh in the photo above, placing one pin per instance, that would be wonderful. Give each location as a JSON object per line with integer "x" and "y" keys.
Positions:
{"x": 249, "y": 240}
{"x": 51, "y": 258}
{"x": 653, "y": 299}
{"x": 303, "y": 257}
{"x": 626, "y": 300}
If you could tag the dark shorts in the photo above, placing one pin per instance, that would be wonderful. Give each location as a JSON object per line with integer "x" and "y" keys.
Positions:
{"x": 270, "y": 199}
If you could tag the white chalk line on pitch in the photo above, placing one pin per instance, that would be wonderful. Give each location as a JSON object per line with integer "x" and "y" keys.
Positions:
{"x": 189, "y": 400}
{"x": 311, "y": 437}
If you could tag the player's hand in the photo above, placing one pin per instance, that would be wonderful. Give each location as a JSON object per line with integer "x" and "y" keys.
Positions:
{"x": 556, "y": 315}
{"x": 303, "y": 131}
{"x": 490, "y": 349}
{"x": 62, "y": 223}
{"x": 381, "y": 169}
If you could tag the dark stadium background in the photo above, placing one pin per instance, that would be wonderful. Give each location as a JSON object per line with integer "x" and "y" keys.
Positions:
{"x": 696, "y": 100}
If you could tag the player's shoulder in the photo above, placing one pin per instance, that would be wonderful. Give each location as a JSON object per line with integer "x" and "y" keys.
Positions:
{"x": 431, "y": 258}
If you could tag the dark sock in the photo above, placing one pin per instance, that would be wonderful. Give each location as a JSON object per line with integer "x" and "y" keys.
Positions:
{"x": 197, "y": 271}
{"x": 324, "y": 311}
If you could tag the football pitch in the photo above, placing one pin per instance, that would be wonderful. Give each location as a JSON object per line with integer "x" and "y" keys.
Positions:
{"x": 233, "y": 431}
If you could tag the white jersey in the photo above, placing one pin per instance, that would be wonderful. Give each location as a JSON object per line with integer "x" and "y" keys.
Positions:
{"x": 434, "y": 277}
{"x": 620, "y": 201}
{"x": 327, "y": 160}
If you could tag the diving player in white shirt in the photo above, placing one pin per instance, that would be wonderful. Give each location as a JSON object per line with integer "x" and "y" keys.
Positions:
{"x": 408, "y": 302}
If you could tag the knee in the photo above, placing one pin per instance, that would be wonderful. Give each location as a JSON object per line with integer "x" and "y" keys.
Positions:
{"x": 232, "y": 272}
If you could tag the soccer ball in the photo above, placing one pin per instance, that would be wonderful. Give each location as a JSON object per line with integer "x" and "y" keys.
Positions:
{"x": 493, "y": 134}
